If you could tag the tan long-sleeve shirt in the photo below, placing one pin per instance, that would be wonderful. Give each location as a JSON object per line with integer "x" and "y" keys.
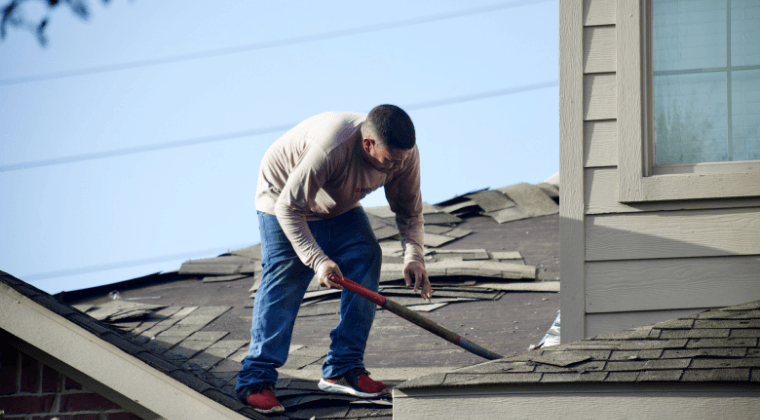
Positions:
{"x": 316, "y": 171}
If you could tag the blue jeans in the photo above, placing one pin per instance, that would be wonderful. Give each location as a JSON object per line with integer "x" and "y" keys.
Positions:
{"x": 349, "y": 241}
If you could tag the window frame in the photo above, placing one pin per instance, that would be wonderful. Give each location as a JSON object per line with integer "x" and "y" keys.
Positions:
{"x": 638, "y": 181}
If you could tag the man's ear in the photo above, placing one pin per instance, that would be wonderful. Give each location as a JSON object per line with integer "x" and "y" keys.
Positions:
{"x": 367, "y": 143}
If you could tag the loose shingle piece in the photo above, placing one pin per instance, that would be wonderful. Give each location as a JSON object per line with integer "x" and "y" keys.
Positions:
{"x": 441, "y": 228}
{"x": 680, "y": 350}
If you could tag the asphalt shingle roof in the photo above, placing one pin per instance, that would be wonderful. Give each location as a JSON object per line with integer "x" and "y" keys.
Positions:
{"x": 719, "y": 345}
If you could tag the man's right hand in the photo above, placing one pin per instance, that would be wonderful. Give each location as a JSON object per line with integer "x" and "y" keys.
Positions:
{"x": 327, "y": 267}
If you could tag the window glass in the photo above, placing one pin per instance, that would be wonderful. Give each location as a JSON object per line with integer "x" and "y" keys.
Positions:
{"x": 706, "y": 80}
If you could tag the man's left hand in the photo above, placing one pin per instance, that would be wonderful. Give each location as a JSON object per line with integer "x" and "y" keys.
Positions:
{"x": 415, "y": 272}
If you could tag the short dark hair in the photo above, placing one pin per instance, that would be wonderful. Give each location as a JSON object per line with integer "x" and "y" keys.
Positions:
{"x": 392, "y": 125}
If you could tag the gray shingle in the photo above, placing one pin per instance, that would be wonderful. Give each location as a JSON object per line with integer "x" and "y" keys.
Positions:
{"x": 561, "y": 358}
{"x": 385, "y": 232}
{"x": 677, "y": 324}
{"x": 632, "y": 365}
{"x": 747, "y": 362}
{"x": 509, "y": 214}
{"x": 660, "y": 376}
{"x": 208, "y": 335}
{"x": 622, "y": 377}
{"x": 223, "y": 399}
{"x": 531, "y": 199}
{"x": 650, "y": 354}
{"x": 632, "y": 334}
{"x": 489, "y": 379}
{"x": 217, "y": 266}
{"x": 744, "y": 333}
{"x": 437, "y": 229}
{"x": 696, "y": 333}
{"x": 594, "y": 345}
{"x": 716, "y": 375}
{"x": 714, "y": 352}
{"x": 574, "y": 377}
{"x": 204, "y": 315}
{"x": 739, "y": 323}
{"x": 667, "y": 364}
{"x": 491, "y": 200}
{"x": 744, "y": 306}
{"x": 190, "y": 380}
{"x": 233, "y": 277}
{"x": 432, "y": 240}
{"x": 458, "y": 233}
{"x": 541, "y": 368}
{"x": 441, "y": 219}
{"x": 652, "y": 344}
{"x": 722, "y": 342}
{"x": 188, "y": 349}
{"x": 624, "y": 355}
{"x": 497, "y": 367}
{"x": 724, "y": 314}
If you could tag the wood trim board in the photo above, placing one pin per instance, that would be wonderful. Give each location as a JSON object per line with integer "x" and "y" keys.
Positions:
{"x": 571, "y": 225}
{"x": 601, "y": 185}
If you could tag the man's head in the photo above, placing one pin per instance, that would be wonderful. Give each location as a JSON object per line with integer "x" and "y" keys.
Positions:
{"x": 387, "y": 137}
{"x": 390, "y": 125}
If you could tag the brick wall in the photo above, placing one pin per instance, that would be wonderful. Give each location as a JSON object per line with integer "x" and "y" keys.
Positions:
{"x": 29, "y": 390}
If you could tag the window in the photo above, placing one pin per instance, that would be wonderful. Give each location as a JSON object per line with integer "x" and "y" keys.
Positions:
{"x": 705, "y": 80}
{"x": 688, "y": 99}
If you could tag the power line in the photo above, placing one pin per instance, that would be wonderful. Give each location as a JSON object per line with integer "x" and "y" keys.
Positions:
{"x": 270, "y": 44}
{"x": 144, "y": 149}
{"x": 482, "y": 95}
{"x": 126, "y": 264}
{"x": 256, "y": 131}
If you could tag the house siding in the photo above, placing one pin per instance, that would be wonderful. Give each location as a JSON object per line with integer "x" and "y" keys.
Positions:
{"x": 648, "y": 261}
{"x": 31, "y": 390}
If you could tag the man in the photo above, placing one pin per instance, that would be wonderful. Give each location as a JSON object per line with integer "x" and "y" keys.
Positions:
{"x": 311, "y": 221}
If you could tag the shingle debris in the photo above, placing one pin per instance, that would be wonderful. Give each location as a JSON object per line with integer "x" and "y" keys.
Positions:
{"x": 644, "y": 354}
{"x": 495, "y": 271}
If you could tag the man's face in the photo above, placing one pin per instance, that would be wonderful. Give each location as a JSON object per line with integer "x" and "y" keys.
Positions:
{"x": 381, "y": 157}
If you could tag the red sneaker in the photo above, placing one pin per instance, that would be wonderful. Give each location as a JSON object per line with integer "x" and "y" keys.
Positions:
{"x": 355, "y": 382}
{"x": 261, "y": 398}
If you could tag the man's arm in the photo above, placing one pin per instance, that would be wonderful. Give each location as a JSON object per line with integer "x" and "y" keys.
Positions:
{"x": 404, "y": 196}
{"x": 294, "y": 202}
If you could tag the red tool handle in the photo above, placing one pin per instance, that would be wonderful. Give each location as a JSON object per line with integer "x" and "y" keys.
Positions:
{"x": 356, "y": 288}
{"x": 414, "y": 318}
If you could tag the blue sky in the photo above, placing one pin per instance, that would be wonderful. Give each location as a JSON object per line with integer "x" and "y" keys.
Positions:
{"x": 91, "y": 222}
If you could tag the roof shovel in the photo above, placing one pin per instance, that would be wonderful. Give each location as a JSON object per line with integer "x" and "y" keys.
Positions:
{"x": 415, "y": 318}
